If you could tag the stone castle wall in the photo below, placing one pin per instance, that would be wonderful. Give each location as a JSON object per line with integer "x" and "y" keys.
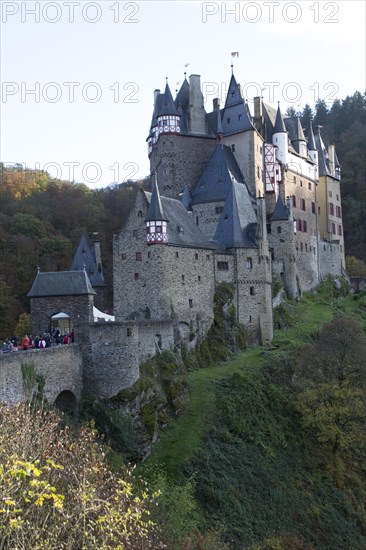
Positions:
{"x": 61, "y": 367}
{"x": 115, "y": 351}
{"x": 180, "y": 160}
{"x": 207, "y": 217}
{"x": 79, "y": 309}
{"x": 331, "y": 259}
{"x": 175, "y": 282}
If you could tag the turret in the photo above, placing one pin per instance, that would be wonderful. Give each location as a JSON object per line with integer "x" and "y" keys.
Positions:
{"x": 156, "y": 220}
{"x": 168, "y": 116}
{"x": 300, "y": 140}
{"x": 280, "y": 138}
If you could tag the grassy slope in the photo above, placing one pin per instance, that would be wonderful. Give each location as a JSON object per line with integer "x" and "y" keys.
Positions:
{"x": 181, "y": 440}
{"x": 269, "y": 477}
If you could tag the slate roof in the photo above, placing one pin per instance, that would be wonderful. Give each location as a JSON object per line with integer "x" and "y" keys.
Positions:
{"x": 323, "y": 159}
{"x": 181, "y": 229}
{"x": 280, "y": 211}
{"x": 295, "y": 131}
{"x": 216, "y": 180}
{"x": 182, "y": 104}
{"x": 61, "y": 283}
{"x": 233, "y": 95}
{"x": 157, "y": 108}
{"x": 269, "y": 115}
{"x": 84, "y": 256}
{"x": 155, "y": 211}
{"x": 238, "y": 222}
{"x": 236, "y": 118}
{"x": 279, "y": 123}
{"x": 182, "y": 97}
{"x": 311, "y": 139}
{"x": 168, "y": 106}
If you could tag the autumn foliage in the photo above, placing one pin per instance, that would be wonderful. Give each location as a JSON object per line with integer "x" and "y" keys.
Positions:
{"x": 56, "y": 490}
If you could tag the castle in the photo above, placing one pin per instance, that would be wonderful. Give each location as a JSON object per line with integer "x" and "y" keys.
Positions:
{"x": 237, "y": 197}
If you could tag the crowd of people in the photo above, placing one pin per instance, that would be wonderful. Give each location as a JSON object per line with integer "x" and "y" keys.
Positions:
{"x": 46, "y": 340}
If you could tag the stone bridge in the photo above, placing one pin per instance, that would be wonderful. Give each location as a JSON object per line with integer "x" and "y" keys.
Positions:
{"x": 58, "y": 368}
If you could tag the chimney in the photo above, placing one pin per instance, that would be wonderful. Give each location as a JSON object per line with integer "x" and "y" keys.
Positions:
{"x": 196, "y": 108}
{"x": 216, "y": 103}
{"x": 156, "y": 93}
{"x": 258, "y": 111}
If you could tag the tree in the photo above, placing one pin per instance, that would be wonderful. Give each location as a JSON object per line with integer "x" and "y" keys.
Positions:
{"x": 290, "y": 112}
{"x": 57, "y": 491}
{"x": 24, "y": 326}
{"x": 321, "y": 113}
{"x": 307, "y": 116}
{"x": 355, "y": 267}
{"x": 331, "y": 377}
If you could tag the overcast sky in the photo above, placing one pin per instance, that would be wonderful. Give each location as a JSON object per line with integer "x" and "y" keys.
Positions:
{"x": 78, "y": 77}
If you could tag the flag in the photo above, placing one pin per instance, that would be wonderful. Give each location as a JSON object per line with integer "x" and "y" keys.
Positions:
{"x": 234, "y": 54}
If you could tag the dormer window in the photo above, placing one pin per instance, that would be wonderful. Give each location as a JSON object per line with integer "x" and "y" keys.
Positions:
{"x": 239, "y": 117}
{"x": 228, "y": 120}
{"x": 232, "y": 94}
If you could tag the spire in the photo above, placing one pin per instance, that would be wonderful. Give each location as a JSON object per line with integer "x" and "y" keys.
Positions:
{"x": 182, "y": 98}
{"x": 299, "y": 131}
{"x": 311, "y": 139}
{"x": 168, "y": 106}
{"x": 84, "y": 259}
{"x": 233, "y": 95}
{"x": 280, "y": 211}
{"x": 324, "y": 168}
{"x": 155, "y": 211}
{"x": 279, "y": 126}
{"x": 217, "y": 178}
{"x": 186, "y": 198}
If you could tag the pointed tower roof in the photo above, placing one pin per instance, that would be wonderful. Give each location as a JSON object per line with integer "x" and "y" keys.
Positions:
{"x": 311, "y": 139}
{"x": 155, "y": 211}
{"x": 322, "y": 156}
{"x": 294, "y": 129}
{"x": 84, "y": 259}
{"x": 216, "y": 180}
{"x": 168, "y": 106}
{"x": 186, "y": 197}
{"x": 299, "y": 131}
{"x": 279, "y": 124}
{"x": 236, "y": 228}
{"x": 233, "y": 95}
{"x": 280, "y": 211}
{"x": 182, "y": 98}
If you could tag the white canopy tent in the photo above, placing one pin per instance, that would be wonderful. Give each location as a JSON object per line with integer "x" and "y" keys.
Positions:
{"x": 100, "y": 316}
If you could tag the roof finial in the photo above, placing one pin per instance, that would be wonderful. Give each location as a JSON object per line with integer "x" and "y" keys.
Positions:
{"x": 84, "y": 267}
{"x": 185, "y": 74}
{"x": 232, "y": 68}
{"x": 38, "y": 269}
